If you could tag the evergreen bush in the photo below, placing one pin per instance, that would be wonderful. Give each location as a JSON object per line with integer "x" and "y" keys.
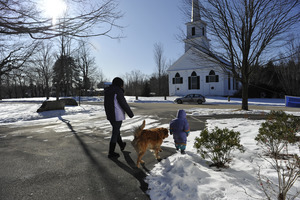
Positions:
{"x": 279, "y": 130}
{"x": 276, "y": 135}
{"x": 217, "y": 145}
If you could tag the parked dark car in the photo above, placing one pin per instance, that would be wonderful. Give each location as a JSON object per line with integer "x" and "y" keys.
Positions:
{"x": 191, "y": 98}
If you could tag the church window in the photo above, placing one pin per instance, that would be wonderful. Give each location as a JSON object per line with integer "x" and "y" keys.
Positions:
{"x": 177, "y": 79}
{"x": 193, "y": 31}
{"x": 194, "y": 81}
{"x": 212, "y": 77}
{"x": 203, "y": 33}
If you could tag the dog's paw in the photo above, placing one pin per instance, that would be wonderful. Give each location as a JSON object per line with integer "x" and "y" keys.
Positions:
{"x": 158, "y": 158}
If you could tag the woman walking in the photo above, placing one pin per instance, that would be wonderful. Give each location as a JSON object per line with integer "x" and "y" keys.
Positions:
{"x": 115, "y": 107}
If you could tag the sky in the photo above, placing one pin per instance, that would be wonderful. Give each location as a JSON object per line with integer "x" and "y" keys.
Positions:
{"x": 146, "y": 23}
{"x": 178, "y": 176}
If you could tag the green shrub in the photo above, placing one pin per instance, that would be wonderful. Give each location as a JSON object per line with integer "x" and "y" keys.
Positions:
{"x": 276, "y": 136}
{"x": 217, "y": 145}
{"x": 279, "y": 130}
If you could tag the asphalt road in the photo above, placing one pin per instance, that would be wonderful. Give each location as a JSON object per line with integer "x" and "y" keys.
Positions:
{"x": 37, "y": 162}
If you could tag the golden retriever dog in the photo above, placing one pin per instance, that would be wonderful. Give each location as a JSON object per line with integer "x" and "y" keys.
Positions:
{"x": 148, "y": 139}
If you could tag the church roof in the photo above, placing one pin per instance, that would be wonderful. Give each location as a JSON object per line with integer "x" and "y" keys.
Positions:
{"x": 197, "y": 59}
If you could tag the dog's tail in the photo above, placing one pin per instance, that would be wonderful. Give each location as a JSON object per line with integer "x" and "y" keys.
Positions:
{"x": 139, "y": 129}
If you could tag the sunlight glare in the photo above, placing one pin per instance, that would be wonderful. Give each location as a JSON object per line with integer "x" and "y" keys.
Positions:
{"x": 54, "y": 9}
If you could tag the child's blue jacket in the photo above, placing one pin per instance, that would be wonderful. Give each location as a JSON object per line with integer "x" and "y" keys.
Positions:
{"x": 179, "y": 127}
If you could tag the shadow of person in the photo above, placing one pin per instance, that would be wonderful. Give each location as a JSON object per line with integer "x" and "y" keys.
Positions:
{"x": 133, "y": 170}
{"x": 128, "y": 159}
{"x": 104, "y": 172}
{"x": 82, "y": 143}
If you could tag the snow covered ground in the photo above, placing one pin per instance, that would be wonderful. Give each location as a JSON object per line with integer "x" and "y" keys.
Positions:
{"x": 179, "y": 176}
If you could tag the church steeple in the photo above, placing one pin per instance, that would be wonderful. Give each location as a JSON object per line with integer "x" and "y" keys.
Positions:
{"x": 195, "y": 11}
{"x": 196, "y": 30}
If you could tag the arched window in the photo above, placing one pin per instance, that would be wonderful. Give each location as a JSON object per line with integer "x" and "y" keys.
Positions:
{"x": 194, "y": 81}
{"x": 212, "y": 73}
{"x": 177, "y": 79}
{"x": 212, "y": 77}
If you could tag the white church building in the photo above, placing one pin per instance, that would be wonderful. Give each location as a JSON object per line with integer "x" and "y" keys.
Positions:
{"x": 197, "y": 71}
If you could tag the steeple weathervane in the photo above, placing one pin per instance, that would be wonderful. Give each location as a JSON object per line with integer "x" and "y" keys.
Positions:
{"x": 195, "y": 11}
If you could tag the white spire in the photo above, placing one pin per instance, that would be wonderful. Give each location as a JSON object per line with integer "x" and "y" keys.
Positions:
{"x": 196, "y": 30}
{"x": 195, "y": 11}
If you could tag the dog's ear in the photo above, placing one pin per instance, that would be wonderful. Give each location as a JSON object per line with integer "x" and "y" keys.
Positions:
{"x": 166, "y": 132}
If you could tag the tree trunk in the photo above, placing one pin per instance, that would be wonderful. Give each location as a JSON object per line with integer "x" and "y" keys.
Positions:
{"x": 47, "y": 90}
{"x": 0, "y": 88}
{"x": 57, "y": 91}
{"x": 245, "y": 87}
{"x": 281, "y": 196}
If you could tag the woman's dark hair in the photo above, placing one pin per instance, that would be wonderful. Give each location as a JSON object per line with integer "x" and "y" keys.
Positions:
{"x": 118, "y": 82}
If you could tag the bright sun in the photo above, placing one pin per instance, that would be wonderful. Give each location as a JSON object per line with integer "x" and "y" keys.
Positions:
{"x": 53, "y": 9}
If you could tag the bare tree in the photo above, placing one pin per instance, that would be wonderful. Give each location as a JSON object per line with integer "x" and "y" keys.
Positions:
{"x": 98, "y": 78}
{"x": 86, "y": 64}
{"x": 43, "y": 64}
{"x": 245, "y": 30}
{"x": 160, "y": 62}
{"x": 159, "y": 85}
{"x": 134, "y": 82}
{"x": 288, "y": 70}
{"x": 14, "y": 57}
{"x": 26, "y": 17}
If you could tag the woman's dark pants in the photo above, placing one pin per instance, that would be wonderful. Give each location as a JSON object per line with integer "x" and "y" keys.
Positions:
{"x": 116, "y": 137}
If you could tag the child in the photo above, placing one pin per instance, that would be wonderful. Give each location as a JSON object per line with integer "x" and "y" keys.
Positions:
{"x": 179, "y": 128}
